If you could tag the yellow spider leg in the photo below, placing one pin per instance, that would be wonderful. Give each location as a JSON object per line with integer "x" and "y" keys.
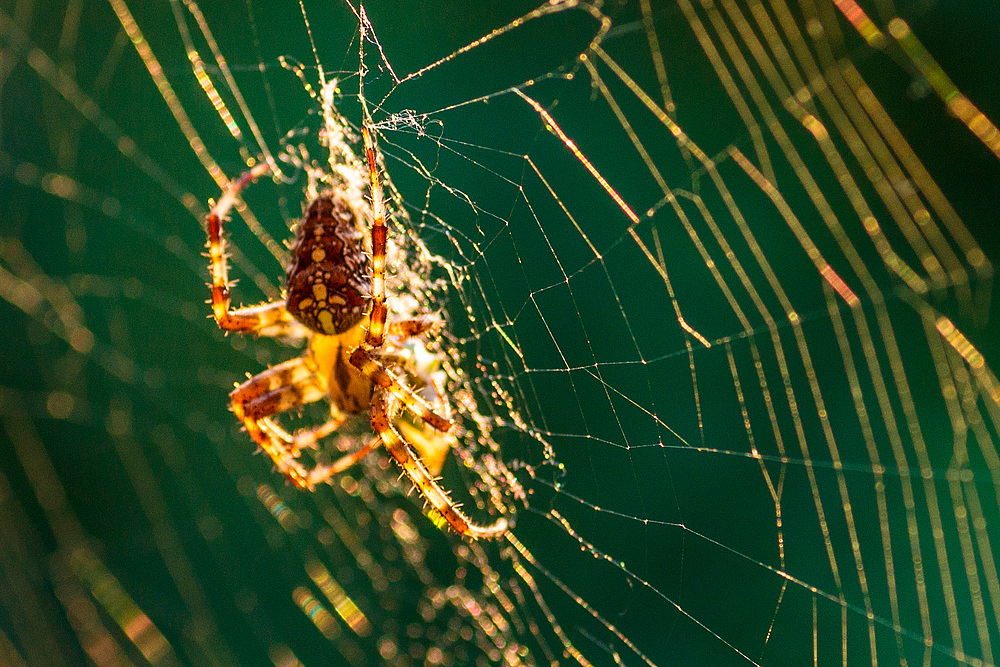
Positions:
{"x": 286, "y": 373}
{"x": 430, "y": 444}
{"x": 270, "y": 319}
{"x": 283, "y": 399}
{"x": 321, "y": 474}
{"x": 438, "y": 498}
{"x": 283, "y": 459}
{"x": 414, "y": 326}
{"x": 267, "y": 319}
{"x": 279, "y": 389}
{"x": 366, "y": 362}
{"x": 304, "y": 438}
{"x": 388, "y": 387}
{"x": 348, "y": 460}
{"x": 363, "y": 357}
{"x": 376, "y": 327}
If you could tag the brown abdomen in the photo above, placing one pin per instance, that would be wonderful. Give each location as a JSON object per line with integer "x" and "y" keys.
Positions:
{"x": 328, "y": 277}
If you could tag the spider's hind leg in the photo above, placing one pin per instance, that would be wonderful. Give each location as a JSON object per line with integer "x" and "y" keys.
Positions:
{"x": 383, "y": 412}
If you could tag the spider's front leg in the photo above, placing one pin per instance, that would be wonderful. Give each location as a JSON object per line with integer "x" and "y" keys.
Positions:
{"x": 284, "y": 387}
{"x": 268, "y": 319}
{"x": 373, "y": 365}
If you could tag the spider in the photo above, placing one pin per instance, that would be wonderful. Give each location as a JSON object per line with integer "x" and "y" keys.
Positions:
{"x": 355, "y": 356}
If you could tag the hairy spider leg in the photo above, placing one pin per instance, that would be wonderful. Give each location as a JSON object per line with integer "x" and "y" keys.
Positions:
{"x": 383, "y": 409}
{"x": 348, "y": 460}
{"x": 284, "y": 387}
{"x": 268, "y": 319}
{"x": 379, "y": 311}
{"x": 389, "y": 388}
{"x": 280, "y": 389}
{"x": 364, "y": 357}
{"x": 296, "y": 371}
{"x": 414, "y": 326}
{"x": 367, "y": 362}
{"x": 304, "y": 438}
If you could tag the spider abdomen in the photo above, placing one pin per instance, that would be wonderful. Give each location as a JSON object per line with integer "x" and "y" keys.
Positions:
{"x": 328, "y": 274}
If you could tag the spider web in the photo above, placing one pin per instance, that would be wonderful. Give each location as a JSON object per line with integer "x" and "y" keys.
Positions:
{"x": 718, "y": 286}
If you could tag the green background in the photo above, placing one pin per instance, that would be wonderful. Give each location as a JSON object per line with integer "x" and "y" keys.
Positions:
{"x": 164, "y": 487}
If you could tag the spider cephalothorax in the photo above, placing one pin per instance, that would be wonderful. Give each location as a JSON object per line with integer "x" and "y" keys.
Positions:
{"x": 355, "y": 358}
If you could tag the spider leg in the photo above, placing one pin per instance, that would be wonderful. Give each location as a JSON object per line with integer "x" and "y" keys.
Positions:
{"x": 284, "y": 387}
{"x": 432, "y": 445}
{"x": 388, "y": 387}
{"x": 383, "y": 409}
{"x": 363, "y": 357}
{"x": 285, "y": 374}
{"x": 348, "y": 460}
{"x": 269, "y": 319}
{"x": 321, "y": 474}
{"x": 367, "y": 362}
{"x": 379, "y": 311}
{"x": 414, "y": 326}
{"x": 305, "y": 438}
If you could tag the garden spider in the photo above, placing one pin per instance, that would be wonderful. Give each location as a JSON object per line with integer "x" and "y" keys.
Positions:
{"x": 354, "y": 357}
